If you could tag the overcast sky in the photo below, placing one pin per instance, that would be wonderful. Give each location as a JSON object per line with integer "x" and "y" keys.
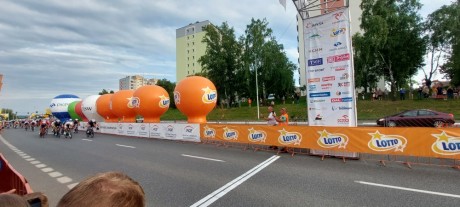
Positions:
{"x": 53, "y": 47}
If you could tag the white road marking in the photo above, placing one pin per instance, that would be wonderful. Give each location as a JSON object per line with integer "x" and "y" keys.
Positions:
{"x": 55, "y": 174}
{"x": 120, "y": 145}
{"x": 409, "y": 189}
{"x": 211, "y": 198}
{"x": 204, "y": 158}
{"x": 48, "y": 169}
{"x": 89, "y": 140}
{"x": 70, "y": 186}
{"x": 40, "y": 165}
{"x": 64, "y": 179}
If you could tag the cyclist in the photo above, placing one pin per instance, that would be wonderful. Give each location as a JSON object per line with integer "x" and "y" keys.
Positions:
{"x": 75, "y": 124}
{"x": 68, "y": 126}
{"x": 33, "y": 123}
{"x": 26, "y": 125}
{"x": 43, "y": 127}
{"x": 57, "y": 127}
{"x": 90, "y": 130}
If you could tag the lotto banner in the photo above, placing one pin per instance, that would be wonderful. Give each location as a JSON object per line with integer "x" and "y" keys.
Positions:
{"x": 329, "y": 70}
{"x": 422, "y": 142}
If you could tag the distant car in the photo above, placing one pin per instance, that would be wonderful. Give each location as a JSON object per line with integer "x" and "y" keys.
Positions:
{"x": 271, "y": 96}
{"x": 418, "y": 118}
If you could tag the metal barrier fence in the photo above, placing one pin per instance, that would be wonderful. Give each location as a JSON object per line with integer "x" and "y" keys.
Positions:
{"x": 409, "y": 146}
{"x": 11, "y": 179}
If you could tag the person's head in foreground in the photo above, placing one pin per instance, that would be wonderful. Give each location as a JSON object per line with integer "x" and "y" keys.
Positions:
{"x": 105, "y": 189}
{"x": 12, "y": 200}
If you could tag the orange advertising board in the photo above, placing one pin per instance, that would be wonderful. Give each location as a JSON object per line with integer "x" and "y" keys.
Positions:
{"x": 423, "y": 142}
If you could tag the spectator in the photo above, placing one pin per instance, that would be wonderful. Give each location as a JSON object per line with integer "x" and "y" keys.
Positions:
{"x": 402, "y": 94}
{"x": 284, "y": 100}
{"x": 271, "y": 118}
{"x": 420, "y": 90}
{"x": 426, "y": 91}
{"x": 249, "y": 102}
{"x": 105, "y": 189}
{"x": 283, "y": 120}
{"x": 439, "y": 94}
{"x": 12, "y": 200}
{"x": 379, "y": 94}
{"x": 272, "y": 103}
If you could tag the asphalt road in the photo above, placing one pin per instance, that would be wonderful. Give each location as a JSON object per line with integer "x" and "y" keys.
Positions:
{"x": 176, "y": 173}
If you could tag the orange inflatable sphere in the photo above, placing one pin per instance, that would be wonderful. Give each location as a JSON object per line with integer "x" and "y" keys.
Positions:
{"x": 122, "y": 106}
{"x": 103, "y": 108}
{"x": 195, "y": 97}
{"x": 151, "y": 102}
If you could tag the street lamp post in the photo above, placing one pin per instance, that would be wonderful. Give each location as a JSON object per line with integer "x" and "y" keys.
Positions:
{"x": 257, "y": 95}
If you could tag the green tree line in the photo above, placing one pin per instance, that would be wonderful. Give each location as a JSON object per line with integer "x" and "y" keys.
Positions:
{"x": 395, "y": 39}
{"x": 232, "y": 62}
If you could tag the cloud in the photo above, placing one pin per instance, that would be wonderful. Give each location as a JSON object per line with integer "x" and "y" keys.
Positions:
{"x": 51, "y": 47}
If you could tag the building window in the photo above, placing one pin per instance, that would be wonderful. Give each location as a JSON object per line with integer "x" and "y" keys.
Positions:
{"x": 188, "y": 37}
{"x": 193, "y": 29}
{"x": 193, "y": 64}
{"x": 188, "y": 44}
{"x": 193, "y": 57}
{"x": 188, "y": 51}
{"x": 193, "y": 50}
{"x": 188, "y": 72}
{"x": 193, "y": 43}
{"x": 188, "y": 65}
{"x": 188, "y": 58}
{"x": 193, "y": 36}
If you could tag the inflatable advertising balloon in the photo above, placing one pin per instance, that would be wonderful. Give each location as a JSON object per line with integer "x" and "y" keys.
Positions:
{"x": 60, "y": 104}
{"x": 151, "y": 102}
{"x": 122, "y": 106}
{"x": 103, "y": 108}
{"x": 72, "y": 111}
{"x": 195, "y": 97}
{"x": 88, "y": 107}
{"x": 80, "y": 112}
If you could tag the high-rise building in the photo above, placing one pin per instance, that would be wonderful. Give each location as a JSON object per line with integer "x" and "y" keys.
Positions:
{"x": 189, "y": 48}
{"x": 321, "y": 8}
{"x": 134, "y": 82}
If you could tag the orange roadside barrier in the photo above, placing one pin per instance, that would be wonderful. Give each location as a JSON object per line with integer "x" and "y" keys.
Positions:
{"x": 11, "y": 179}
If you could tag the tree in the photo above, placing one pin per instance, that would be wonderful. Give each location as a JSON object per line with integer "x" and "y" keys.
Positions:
{"x": 222, "y": 60}
{"x": 395, "y": 30}
{"x": 103, "y": 92}
{"x": 169, "y": 87}
{"x": 449, "y": 18}
{"x": 438, "y": 27}
{"x": 366, "y": 72}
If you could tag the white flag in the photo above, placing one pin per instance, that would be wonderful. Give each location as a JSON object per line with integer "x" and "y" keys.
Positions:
{"x": 283, "y": 3}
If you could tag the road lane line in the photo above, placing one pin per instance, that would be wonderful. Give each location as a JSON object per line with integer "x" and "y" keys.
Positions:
{"x": 40, "y": 165}
{"x": 35, "y": 162}
{"x": 120, "y": 145}
{"x": 64, "y": 179}
{"x": 48, "y": 169}
{"x": 89, "y": 140}
{"x": 409, "y": 189}
{"x": 211, "y": 198}
{"x": 55, "y": 174}
{"x": 70, "y": 186}
{"x": 30, "y": 159}
{"x": 204, "y": 158}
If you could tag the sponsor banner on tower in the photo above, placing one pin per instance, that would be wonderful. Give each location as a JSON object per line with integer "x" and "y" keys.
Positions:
{"x": 329, "y": 69}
